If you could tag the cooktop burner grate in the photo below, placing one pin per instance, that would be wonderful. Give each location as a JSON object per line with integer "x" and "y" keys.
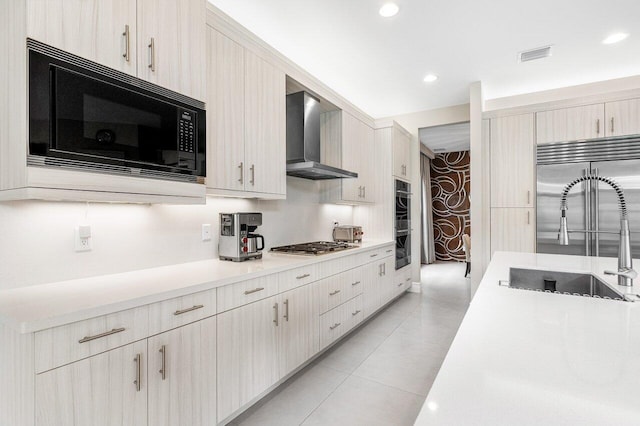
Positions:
{"x": 313, "y": 248}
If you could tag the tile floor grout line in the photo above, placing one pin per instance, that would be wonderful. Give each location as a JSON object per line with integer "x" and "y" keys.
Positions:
{"x": 390, "y": 386}
{"x": 349, "y": 375}
{"x": 327, "y": 397}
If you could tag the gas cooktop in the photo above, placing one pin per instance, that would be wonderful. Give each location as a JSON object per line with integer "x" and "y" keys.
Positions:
{"x": 313, "y": 248}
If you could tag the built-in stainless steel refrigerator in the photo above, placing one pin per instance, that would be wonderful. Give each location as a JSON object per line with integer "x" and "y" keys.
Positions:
{"x": 593, "y": 206}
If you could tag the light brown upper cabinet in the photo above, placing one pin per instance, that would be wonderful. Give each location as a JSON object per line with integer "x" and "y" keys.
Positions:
{"x": 350, "y": 146}
{"x": 620, "y": 118}
{"x": 356, "y": 144}
{"x": 161, "y": 41}
{"x": 570, "y": 124}
{"x": 246, "y": 122}
{"x": 512, "y": 161}
{"x": 401, "y": 154}
{"x": 102, "y": 31}
{"x": 623, "y": 117}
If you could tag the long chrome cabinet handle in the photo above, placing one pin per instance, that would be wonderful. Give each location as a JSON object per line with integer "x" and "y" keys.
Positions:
{"x": 598, "y": 126}
{"x": 241, "y": 167}
{"x": 612, "y": 126}
{"x": 184, "y": 311}
{"x": 373, "y": 255}
{"x": 253, "y": 174}
{"x": 275, "y": 314}
{"x": 333, "y": 293}
{"x": 528, "y": 218}
{"x": 138, "y": 381}
{"x": 353, "y": 314}
{"x": 399, "y": 284}
{"x": 286, "y": 310}
{"x": 334, "y": 326}
{"x": 355, "y": 283}
{"x": 152, "y": 55}
{"x": 528, "y": 197}
{"x": 255, "y": 290}
{"x": 98, "y": 336}
{"x": 163, "y": 367}
{"x": 299, "y": 277}
{"x": 389, "y": 251}
{"x": 127, "y": 39}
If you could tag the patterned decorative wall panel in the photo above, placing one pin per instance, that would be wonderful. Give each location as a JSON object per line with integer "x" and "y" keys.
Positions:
{"x": 450, "y": 183}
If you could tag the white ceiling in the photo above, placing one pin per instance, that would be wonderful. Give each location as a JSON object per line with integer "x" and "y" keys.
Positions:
{"x": 379, "y": 63}
{"x": 447, "y": 138}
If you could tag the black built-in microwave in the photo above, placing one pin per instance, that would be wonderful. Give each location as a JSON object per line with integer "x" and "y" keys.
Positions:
{"x": 83, "y": 115}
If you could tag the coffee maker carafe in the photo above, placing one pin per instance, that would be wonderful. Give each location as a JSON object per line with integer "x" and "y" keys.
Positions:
{"x": 238, "y": 240}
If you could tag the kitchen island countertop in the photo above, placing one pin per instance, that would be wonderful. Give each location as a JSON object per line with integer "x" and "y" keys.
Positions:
{"x": 533, "y": 358}
{"x": 38, "y": 307}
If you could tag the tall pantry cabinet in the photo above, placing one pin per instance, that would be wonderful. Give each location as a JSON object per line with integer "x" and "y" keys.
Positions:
{"x": 512, "y": 147}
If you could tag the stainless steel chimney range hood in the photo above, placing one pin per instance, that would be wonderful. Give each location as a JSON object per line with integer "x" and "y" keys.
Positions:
{"x": 303, "y": 140}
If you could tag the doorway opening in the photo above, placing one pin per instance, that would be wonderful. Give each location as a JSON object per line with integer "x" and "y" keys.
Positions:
{"x": 445, "y": 182}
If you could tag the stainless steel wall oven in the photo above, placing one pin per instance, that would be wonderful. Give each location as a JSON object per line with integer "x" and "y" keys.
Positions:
{"x": 403, "y": 223}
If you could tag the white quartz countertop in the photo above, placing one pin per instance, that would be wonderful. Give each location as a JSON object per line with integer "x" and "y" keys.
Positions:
{"x": 532, "y": 358}
{"x": 38, "y": 307}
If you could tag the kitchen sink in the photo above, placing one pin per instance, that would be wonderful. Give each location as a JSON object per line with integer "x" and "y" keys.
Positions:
{"x": 562, "y": 283}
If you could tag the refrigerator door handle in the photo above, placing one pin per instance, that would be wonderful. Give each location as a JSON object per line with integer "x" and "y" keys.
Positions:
{"x": 587, "y": 213}
{"x": 595, "y": 214}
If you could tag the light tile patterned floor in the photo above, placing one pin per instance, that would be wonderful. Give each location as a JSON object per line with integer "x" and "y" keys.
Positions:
{"x": 381, "y": 373}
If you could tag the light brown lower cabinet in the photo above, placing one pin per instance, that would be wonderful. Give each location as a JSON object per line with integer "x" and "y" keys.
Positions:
{"x": 513, "y": 229}
{"x": 262, "y": 342}
{"x": 182, "y": 375}
{"x": 378, "y": 288}
{"x": 136, "y": 384}
{"x": 96, "y": 391}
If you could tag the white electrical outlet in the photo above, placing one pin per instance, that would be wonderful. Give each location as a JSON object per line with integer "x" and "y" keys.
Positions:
{"x": 206, "y": 232}
{"x": 83, "y": 238}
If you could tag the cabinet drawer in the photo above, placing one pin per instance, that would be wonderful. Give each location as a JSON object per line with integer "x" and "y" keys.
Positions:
{"x": 340, "y": 320}
{"x": 331, "y": 292}
{"x": 298, "y": 277}
{"x": 238, "y": 294}
{"x": 401, "y": 281}
{"x": 183, "y": 310}
{"x": 377, "y": 254}
{"x": 335, "y": 290}
{"x": 61, "y": 345}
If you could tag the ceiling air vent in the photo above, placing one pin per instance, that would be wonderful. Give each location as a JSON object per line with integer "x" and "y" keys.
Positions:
{"x": 534, "y": 54}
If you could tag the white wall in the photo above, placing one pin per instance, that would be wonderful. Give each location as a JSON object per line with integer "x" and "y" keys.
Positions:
{"x": 36, "y": 238}
{"x": 435, "y": 117}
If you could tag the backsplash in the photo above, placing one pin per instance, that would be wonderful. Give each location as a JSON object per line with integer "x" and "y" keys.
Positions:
{"x": 37, "y": 238}
{"x": 450, "y": 182}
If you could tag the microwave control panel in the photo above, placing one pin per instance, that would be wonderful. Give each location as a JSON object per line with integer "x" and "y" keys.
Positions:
{"x": 186, "y": 139}
{"x": 186, "y": 132}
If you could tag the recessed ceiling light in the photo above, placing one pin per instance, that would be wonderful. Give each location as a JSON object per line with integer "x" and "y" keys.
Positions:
{"x": 389, "y": 9}
{"x": 430, "y": 78}
{"x": 614, "y": 38}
